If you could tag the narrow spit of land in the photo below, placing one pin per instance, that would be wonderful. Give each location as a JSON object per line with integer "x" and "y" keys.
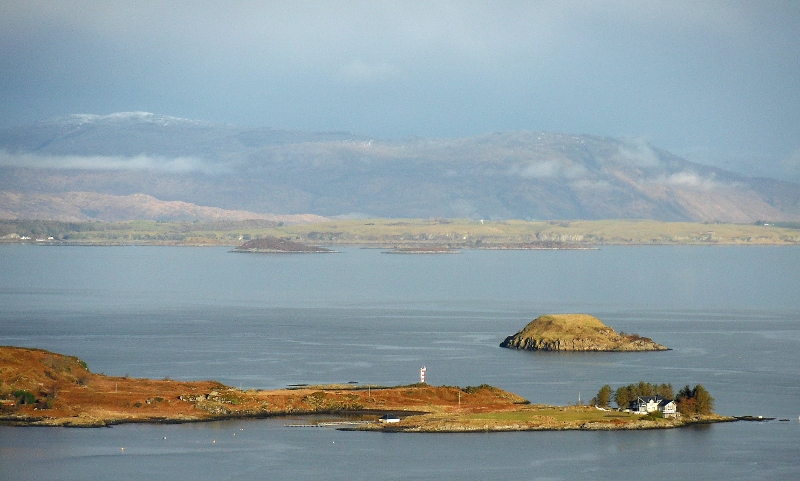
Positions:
{"x": 41, "y": 388}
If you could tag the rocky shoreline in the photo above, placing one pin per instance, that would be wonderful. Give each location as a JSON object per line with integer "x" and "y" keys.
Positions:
{"x": 457, "y": 427}
{"x": 41, "y": 388}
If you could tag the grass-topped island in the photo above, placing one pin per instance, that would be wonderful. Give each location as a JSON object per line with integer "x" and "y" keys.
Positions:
{"x": 576, "y": 332}
{"x": 41, "y": 388}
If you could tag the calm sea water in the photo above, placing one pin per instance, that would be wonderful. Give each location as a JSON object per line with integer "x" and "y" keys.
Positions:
{"x": 731, "y": 315}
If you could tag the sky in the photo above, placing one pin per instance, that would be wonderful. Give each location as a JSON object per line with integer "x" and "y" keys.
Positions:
{"x": 717, "y": 82}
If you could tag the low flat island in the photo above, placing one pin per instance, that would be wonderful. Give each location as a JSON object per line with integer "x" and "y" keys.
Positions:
{"x": 273, "y": 245}
{"x": 41, "y": 388}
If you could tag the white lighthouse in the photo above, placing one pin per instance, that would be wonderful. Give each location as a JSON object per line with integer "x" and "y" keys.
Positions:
{"x": 422, "y": 374}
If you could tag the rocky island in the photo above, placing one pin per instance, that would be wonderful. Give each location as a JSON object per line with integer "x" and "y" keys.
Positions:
{"x": 576, "y": 332}
{"x": 273, "y": 245}
{"x": 41, "y": 388}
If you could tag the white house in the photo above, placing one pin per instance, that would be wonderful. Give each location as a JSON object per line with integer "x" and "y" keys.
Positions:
{"x": 389, "y": 418}
{"x": 649, "y": 404}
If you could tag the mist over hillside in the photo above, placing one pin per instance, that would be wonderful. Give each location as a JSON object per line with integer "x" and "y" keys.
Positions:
{"x": 523, "y": 175}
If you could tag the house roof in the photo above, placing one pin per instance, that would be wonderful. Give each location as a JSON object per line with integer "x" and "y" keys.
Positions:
{"x": 648, "y": 399}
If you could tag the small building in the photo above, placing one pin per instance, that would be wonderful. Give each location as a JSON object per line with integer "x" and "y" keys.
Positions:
{"x": 649, "y": 404}
{"x": 389, "y": 418}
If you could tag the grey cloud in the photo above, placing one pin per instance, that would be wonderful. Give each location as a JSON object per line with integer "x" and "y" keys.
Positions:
{"x": 718, "y": 74}
{"x": 311, "y": 32}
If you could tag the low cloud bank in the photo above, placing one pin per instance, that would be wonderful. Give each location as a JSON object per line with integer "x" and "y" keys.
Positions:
{"x": 692, "y": 180}
{"x": 549, "y": 169}
{"x": 102, "y": 162}
{"x": 637, "y": 152}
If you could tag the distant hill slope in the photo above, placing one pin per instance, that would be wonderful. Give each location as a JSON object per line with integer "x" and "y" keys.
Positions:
{"x": 524, "y": 175}
{"x": 83, "y": 206}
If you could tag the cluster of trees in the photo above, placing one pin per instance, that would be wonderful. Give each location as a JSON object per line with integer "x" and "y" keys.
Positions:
{"x": 624, "y": 395}
{"x": 694, "y": 401}
{"x": 689, "y": 400}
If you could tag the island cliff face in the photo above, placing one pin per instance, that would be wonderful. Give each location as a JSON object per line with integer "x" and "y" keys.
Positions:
{"x": 576, "y": 332}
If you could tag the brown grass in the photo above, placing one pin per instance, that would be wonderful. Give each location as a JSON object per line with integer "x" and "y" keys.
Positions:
{"x": 78, "y": 397}
{"x": 85, "y": 398}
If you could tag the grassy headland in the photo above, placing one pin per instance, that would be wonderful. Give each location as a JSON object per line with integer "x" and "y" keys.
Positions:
{"x": 42, "y": 388}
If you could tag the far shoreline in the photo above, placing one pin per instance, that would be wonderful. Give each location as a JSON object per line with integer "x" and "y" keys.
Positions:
{"x": 462, "y": 234}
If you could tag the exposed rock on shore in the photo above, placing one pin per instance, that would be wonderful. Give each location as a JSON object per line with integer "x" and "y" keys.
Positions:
{"x": 539, "y": 418}
{"x": 576, "y": 332}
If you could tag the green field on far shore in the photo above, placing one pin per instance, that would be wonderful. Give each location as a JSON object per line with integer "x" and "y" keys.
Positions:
{"x": 454, "y": 233}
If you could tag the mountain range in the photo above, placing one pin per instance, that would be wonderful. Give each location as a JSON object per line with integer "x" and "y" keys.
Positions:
{"x": 138, "y": 165}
